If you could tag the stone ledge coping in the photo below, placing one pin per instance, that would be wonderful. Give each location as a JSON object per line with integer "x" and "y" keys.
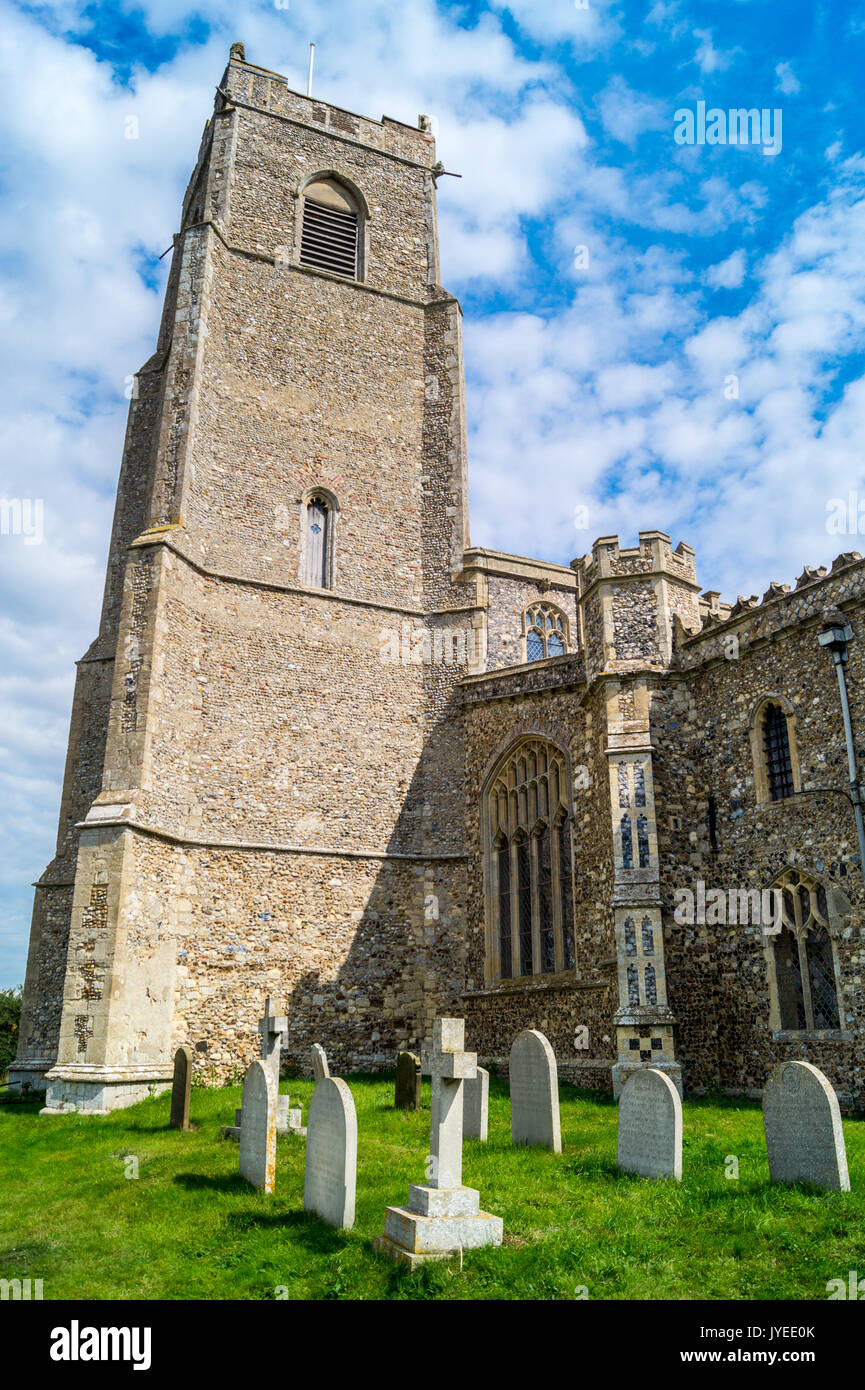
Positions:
{"x": 109, "y": 1076}
{"x": 831, "y": 1035}
{"x": 507, "y": 566}
{"x": 158, "y": 536}
{"x": 261, "y": 847}
{"x": 529, "y": 987}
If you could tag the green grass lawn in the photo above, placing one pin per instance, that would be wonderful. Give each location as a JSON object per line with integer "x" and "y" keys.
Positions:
{"x": 190, "y": 1228}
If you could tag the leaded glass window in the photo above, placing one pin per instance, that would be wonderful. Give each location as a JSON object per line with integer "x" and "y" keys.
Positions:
{"x": 776, "y": 744}
{"x": 524, "y": 906}
{"x": 803, "y": 958}
{"x": 504, "y": 866}
{"x": 546, "y": 630}
{"x": 566, "y": 896}
{"x": 531, "y": 919}
{"x": 545, "y": 902}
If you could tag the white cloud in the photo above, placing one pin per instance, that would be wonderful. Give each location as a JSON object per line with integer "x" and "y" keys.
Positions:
{"x": 728, "y": 274}
{"x": 626, "y": 114}
{"x": 788, "y": 82}
{"x": 709, "y": 58}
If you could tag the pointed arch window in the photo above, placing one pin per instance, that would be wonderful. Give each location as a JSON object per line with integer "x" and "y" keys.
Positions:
{"x": 318, "y": 547}
{"x": 529, "y": 857}
{"x": 546, "y": 631}
{"x": 776, "y": 747}
{"x": 802, "y": 958}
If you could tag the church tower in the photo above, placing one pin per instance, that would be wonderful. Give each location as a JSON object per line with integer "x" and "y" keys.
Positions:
{"x": 264, "y": 784}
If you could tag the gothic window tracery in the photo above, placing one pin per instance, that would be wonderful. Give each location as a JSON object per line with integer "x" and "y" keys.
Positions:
{"x": 546, "y": 631}
{"x": 530, "y": 856}
{"x": 803, "y": 959}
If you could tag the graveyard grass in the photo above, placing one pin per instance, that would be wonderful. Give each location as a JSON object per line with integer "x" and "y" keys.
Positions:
{"x": 190, "y": 1228}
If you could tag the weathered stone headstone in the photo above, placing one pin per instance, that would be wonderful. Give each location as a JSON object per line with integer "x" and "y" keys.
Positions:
{"x": 408, "y": 1083}
{"x": 804, "y": 1138}
{"x": 331, "y": 1153}
{"x": 650, "y": 1126}
{"x": 258, "y": 1131}
{"x": 444, "y": 1216}
{"x": 181, "y": 1088}
{"x": 476, "y": 1099}
{"x": 320, "y": 1069}
{"x": 534, "y": 1092}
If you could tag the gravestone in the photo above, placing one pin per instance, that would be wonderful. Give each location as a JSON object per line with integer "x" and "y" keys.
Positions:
{"x": 258, "y": 1131}
{"x": 320, "y": 1069}
{"x": 273, "y": 1029}
{"x": 288, "y": 1121}
{"x": 804, "y": 1138}
{"x": 180, "y": 1090}
{"x": 476, "y": 1099}
{"x": 408, "y": 1082}
{"x": 650, "y": 1126}
{"x": 331, "y": 1153}
{"x": 443, "y": 1216}
{"x": 534, "y": 1092}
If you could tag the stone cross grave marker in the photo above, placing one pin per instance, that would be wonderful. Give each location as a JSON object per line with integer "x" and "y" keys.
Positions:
{"x": 181, "y": 1088}
{"x": 258, "y": 1131}
{"x": 408, "y": 1082}
{"x": 272, "y": 1028}
{"x": 476, "y": 1099}
{"x": 331, "y": 1153}
{"x": 443, "y": 1216}
{"x": 650, "y": 1126}
{"x": 534, "y": 1092}
{"x": 804, "y": 1138}
{"x": 320, "y": 1069}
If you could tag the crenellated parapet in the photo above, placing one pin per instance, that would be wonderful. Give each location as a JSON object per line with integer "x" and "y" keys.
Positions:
{"x": 629, "y": 597}
{"x": 750, "y": 620}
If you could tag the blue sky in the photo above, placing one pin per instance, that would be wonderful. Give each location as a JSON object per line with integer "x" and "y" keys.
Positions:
{"x": 697, "y": 366}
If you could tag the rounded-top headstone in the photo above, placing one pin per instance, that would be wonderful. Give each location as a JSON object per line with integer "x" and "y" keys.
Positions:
{"x": 258, "y": 1131}
{"x": 407, "y": 1091}
{"x": 650, "y": 1126}
{"x": 318, "y": 1057}
{"x": 804, "y": 1138}
{"x": 534, "y": 1082}
{"x": 331, "y": 1153}
{"x": 181, "y": 1089}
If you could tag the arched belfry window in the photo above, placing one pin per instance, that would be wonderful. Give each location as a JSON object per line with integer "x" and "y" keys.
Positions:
{"x": 529, "y": 863}
{"x": 545, "y": 629}
{"x": 318, "y": 541}
{"x": 330, "y": 231}
{"x": 802, "y": 958}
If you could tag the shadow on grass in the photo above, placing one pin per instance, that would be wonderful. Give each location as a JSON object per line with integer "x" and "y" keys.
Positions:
{"x": 304, "y": 1226}
{"x": 220, "y": 1182}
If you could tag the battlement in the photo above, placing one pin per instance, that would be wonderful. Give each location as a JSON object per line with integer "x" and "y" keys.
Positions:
{"x": 780, "y": 606}
{"x": 652, "y": 555}
{"x": 248, "y": 85}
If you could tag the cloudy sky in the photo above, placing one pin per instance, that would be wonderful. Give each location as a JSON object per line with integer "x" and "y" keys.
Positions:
{"x": 657, "y": 334}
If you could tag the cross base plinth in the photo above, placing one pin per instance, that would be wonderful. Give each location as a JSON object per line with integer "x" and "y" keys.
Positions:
{"x": 287, "y": 1121}
{"x": 438, "y": 1222}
